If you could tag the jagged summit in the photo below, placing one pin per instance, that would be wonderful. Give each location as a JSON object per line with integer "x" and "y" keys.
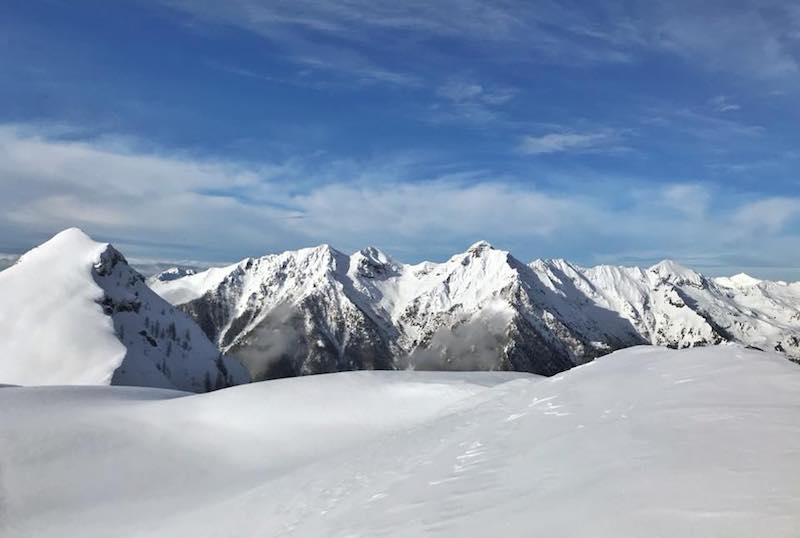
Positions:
{"x": 375, "y": 255}
{"x": 480, "y": 246}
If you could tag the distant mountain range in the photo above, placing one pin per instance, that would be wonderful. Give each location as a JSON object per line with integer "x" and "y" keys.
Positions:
{"x": 318, "y": 310}
{"x": 72, "y": 311}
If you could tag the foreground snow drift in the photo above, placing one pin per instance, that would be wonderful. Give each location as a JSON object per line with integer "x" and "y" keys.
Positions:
{"x": 643, "y": 442}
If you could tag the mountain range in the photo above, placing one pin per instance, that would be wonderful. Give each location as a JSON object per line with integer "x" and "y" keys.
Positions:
{"x": 72, "y": 311}
{"x": 319, "y": 310}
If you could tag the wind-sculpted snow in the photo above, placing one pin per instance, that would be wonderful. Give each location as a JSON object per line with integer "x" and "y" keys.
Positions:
{"x": 318, "y": 310}
{"x": 72, "y": 311}
{"x": 642, "y": 442}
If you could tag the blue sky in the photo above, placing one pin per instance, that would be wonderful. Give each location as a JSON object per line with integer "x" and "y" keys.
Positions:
{"x": 603, "y": 132}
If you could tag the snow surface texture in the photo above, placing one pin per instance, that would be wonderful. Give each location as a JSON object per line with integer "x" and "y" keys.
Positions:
{"x": 318, "y": 310}
{"x": 73, "y": 312}
{"x": 642, "y": 442}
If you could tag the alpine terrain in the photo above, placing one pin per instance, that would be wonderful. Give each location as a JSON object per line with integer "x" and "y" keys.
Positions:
{"x": 318, "y": 310}
{"x": 72, "y": 311}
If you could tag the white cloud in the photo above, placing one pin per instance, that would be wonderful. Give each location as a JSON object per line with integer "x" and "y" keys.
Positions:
{"x": 570, "y": 142}
{"x": 767, "y": 216}
{"x": 754, "y": 38}
{"x": 471, "y": 101}
{"x": 155, "y": 204}
{"x": 460, "y": 91}
{"x": 721, "y": 103}
{"x": 691, "y": 199}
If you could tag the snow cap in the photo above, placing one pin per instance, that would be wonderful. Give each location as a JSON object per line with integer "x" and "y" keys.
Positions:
{"x": 480, "y": 246}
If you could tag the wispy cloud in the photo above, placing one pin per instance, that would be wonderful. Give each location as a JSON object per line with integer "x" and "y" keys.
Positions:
{"x": 769, "y": 215}
{"x": 752, "y": 39}
{"x": 690, "y": 198}
{"x": 391, "y": 42}
{"x": 462, "y": 91}
{"x": 465, "y": 99}
{"x": 722, "y": 103}
{"x": 701, "y": 125}
{"x": 602, "y": 140}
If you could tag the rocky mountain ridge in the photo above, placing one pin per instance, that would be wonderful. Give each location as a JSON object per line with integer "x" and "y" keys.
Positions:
{"x": 318, "y": 310}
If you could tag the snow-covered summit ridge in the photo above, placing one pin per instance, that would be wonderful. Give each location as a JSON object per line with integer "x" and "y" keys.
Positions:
{"x": 480, "y": 309}
{"x": 72, "y": 311}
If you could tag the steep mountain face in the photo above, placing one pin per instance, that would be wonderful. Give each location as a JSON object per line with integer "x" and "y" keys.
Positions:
{"x": 72, "y": 311}
{"x": 288, "y": 314}
{"x": 318, "y": 310}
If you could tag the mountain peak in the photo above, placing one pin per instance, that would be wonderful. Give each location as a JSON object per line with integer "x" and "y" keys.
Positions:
{"x": 480, "y": 246}
{"x": 675, "y": 273}
{"x": 72, "y": 243}
{"x": 743, "y": 279}
{"x": 371, "y": 262}
{"x": 74, "y": 237}
{"x": 70, "y": 234}
{"x": 739, "y": 280}
{"x": 375, "y": 255}
{"x": 324, "y": 247}
{"x": 323, "y": 253}
{"x": 669, "y": 266}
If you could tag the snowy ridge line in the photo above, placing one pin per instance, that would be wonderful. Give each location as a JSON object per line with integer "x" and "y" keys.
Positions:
{"x": 318, "y": 310}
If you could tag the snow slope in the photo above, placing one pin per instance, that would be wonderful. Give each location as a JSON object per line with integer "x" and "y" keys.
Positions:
{"x": 319, "y": 310}
{"x": 642, "y": 442}
{"x": 73, "y": 312}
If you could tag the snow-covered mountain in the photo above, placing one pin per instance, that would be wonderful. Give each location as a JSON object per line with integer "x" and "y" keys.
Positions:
{"x": 318, "y": 310}
{"x": 674, "y": 306}
{"x": 72, "y": 311}
{"x": 643, "y": 442}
